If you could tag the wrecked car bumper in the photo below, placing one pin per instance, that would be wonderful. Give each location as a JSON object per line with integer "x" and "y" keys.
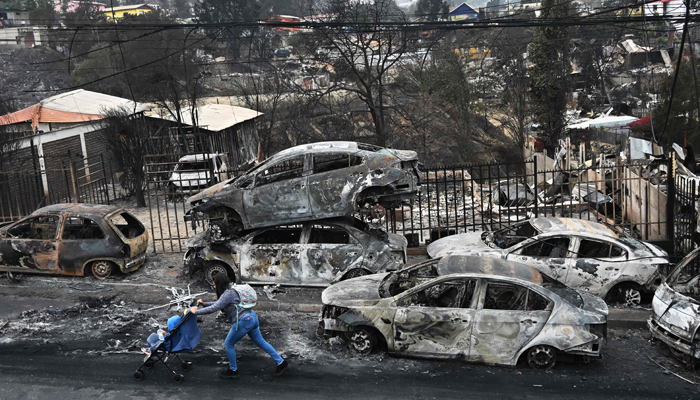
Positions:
{"x": 134, "y": 264}
{"x": 663, "y": 333}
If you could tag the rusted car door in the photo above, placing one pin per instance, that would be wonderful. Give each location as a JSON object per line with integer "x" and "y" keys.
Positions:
{"x": 595, "y": 263}
{"x": 335, "y": 178}
{"x": 280, "y": 194}
{"x": 436, "y": 320}
{"x": 30, "y": 244}
{"x": 548, "y": 255}
{"x": 83, "y": 239}
{"x": 509, "y": 316}
{"x": 273, "y": 255}
{"x": 330, "y": 250}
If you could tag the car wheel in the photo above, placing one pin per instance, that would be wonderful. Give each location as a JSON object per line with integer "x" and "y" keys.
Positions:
{"x": 541, "y": 357}
{"x": 214, "y": 269}
{"x": 362, "y": 341}
{"x": 355, "y": 273}
{"x": 627, "y": 294}
{"x": 101, "y": 269}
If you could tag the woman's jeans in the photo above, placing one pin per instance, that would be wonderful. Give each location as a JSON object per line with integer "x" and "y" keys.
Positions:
{"x": 247, "y": 325}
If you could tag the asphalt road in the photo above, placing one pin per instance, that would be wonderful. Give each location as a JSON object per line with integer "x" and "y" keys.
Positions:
{"x": 49, "y": 371}
{"x": 58, "y": 333}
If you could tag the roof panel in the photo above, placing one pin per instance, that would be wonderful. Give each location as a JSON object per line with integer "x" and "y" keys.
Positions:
{"x": 87, "y": 102}
{"x": 215, "y": 117}
{"x": 553, "y": 224}
{"x": 489, "y": 266}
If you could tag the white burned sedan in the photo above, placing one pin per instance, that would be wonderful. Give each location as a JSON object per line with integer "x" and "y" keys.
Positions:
{"x": 582, "y": 254}
{"x": 478, "y": 309}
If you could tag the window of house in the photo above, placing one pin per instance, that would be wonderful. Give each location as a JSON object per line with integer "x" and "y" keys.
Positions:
{"x": 279, "y": 235}
{"x": 283, "y": 170}
{"x": 552, "y": 248}
{"x": 596, "y": 249}
{"x": 324, "y": 234}
{"x": 43, "y": 227}
{"x": 81, "y": 228}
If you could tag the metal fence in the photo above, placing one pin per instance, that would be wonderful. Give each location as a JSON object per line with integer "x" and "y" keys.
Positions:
{"x": 172, "y": 179}
{"x": 29, "y": 187}
{"x": 632, "y": 198}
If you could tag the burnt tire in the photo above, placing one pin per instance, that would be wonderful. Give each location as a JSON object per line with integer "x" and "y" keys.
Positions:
{"x": 627, "y": 294}
{"x": 362, "y": 340}
{"x": 101, "y": 269}
{"x": 213, "y": 269}
{"x": 542, "y": 357}
{"x": 355, "y": 273}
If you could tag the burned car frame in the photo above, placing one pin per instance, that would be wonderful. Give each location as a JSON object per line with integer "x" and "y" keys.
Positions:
{"x": 477, "y": 309}
{"x": 675, "y": 318}
{"x": 74, "y": 239}
{"x": 309, "y": 253}
{"x": 581, "y": 254}
{"x": 307, "y": 182}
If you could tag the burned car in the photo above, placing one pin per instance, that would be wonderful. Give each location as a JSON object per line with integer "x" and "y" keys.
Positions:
{"x": 313, "y": 253}
{"x": 308, "y": 182}
{"x": 582, "y": 254}
{"x": 74, "y": 239}
{"x": 675, "y": 319}
{"x": 478, "y": 309}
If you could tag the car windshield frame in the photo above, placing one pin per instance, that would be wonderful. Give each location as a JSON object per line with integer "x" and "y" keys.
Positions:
{"x": 495, "y": 240}
{"x": 673, "y": 277}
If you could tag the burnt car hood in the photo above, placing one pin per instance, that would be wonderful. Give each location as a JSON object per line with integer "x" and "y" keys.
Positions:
{"x": 462, "y": 244}
{"x": 680, "y": 313}
{"x": 362, "y": 291}
{"x": 211, "y": 193}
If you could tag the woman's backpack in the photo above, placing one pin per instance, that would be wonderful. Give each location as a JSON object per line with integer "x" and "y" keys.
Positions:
{"x": 248, "y": 295}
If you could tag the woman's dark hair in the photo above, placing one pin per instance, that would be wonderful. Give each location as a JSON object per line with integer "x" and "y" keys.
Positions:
{"x": 222, "y": 284}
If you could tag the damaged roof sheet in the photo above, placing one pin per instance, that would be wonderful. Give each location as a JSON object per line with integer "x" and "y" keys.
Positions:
{"x": 489, "y": 266}
{"x": 214, "y": 117}
{"x": 552, "y": 224}
{"x": 75, "y": 106}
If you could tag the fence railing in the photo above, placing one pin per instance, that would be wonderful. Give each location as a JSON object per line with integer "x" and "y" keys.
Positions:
{"x": 466, "y": 198}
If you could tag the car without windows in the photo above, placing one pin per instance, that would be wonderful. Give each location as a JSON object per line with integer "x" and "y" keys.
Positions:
{"x": 310, "y": 253}
{"x": 675, "y": 319}
{"x": 582, "y": 254}
{"x": 74, "y": 239}
{"x": 478, "y": 309}
{"x": 309, "y": 182}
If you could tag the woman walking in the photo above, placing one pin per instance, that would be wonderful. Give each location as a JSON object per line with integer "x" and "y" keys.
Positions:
{"x": 245, "y": 322}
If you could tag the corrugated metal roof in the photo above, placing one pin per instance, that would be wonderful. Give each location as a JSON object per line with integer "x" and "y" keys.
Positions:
{"x": 75, "y": 106}
{"x": 87, "y": 102}
{"x": 215, "y": 117}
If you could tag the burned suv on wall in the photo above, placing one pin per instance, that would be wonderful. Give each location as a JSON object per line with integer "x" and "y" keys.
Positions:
{"x": 309, "y": 182}
{"x": 74, "y": 239}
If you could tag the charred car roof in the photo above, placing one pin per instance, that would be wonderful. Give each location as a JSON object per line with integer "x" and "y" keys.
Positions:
{"x": 488, "y": 266}
{"x": 553, "y": 224}
{"x": 79, "y": 208}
